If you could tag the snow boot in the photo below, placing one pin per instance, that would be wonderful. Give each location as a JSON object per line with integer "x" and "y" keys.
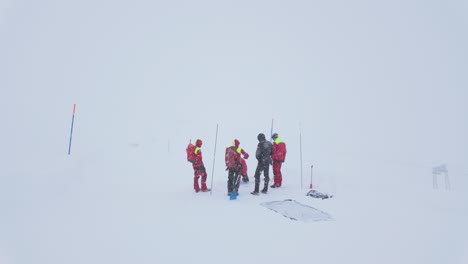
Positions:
{"x": 255, "y": 192}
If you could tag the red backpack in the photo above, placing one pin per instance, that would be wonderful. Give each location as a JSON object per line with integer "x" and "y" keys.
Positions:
{"x": 231, "y": 158}
{"x": 191, "y": 157}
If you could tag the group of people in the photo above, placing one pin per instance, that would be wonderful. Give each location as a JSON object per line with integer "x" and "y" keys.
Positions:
{"x": 267, "y": 154}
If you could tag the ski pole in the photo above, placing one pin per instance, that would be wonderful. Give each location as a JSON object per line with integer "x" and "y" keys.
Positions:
{"x": 71, "y": 130}
{"x": 214, "y": 157}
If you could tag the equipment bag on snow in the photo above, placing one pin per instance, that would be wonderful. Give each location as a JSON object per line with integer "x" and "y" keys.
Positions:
{"x": 190, "y": 153}
{"x": 317, "y": 194}
{"x": 231, "y": 158}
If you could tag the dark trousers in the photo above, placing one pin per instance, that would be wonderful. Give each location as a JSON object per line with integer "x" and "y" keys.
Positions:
{"x": 233, "y": 181}
{"x": 265, "y": 168}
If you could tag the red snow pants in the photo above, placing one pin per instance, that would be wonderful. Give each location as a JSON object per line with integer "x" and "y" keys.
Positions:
{"x": 277, "y": 177}
{"x": 199, "y": 172}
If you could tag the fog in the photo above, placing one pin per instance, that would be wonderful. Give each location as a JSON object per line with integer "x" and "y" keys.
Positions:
{"x": 372, "y": 93}
{"x": 390, "y": 75}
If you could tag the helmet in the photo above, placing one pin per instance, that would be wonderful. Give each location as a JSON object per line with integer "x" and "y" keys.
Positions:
{"x": 198, "y": 143}
{"x": 261, "y": 137}
{"x": 274, "y": 136}
{"x": 236, "y": 143}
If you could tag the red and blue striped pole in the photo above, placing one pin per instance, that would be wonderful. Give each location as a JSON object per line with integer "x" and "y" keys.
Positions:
{"x": 71, "y": 130}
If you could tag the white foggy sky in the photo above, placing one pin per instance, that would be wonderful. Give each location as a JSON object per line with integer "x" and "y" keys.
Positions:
{"x": 379, "y": 89}
{"x": 363, "y": 77}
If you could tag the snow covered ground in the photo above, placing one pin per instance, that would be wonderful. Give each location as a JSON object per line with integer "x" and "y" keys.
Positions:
{"x": 373, "y": 93}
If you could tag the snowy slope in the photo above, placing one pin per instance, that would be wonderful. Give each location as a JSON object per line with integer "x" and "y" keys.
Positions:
{"x": 376, "y": 91}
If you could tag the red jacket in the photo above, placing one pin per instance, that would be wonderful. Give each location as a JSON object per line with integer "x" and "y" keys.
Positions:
{"x": 236, "y": 161}
{"x": 279, "y": 150}
{"x": 232, "y": 158}
{"x": 240, "y": 150}
{"x": 198, "y": 155}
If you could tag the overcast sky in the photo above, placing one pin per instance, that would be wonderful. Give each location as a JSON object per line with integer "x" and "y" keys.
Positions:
{"x": 378, "y": 91}
{"x": 374, "y": 78}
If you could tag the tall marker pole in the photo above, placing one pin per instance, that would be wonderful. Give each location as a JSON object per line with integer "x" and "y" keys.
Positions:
{"x": 311, "y": 167}
{"x": 271, "y": 132}
{"x": 300, "y": 150}
{"x": 214, "y": 159}
{"x": 71, "y": 130}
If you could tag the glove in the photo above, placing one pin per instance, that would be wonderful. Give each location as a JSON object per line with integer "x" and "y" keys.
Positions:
{"x": 227, "y": 168}
{"x": 246, "y": 156}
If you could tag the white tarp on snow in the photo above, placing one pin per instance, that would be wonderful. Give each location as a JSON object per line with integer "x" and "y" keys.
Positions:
{"x": 297, "y": 211}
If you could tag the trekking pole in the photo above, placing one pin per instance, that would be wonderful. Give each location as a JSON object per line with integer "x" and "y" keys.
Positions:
{"x": 71, "y": 130}
{"x": 300, "y": 150}
{"x": 214, "y": 159}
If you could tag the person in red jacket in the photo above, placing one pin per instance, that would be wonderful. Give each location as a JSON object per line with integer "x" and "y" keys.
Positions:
{"x": 277, "y": 157}
{"x": 199, "y": 168}
{"x": 233, "y": 160}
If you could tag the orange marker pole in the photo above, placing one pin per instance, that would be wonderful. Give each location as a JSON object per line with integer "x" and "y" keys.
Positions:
{"x": 311, "y": 186}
